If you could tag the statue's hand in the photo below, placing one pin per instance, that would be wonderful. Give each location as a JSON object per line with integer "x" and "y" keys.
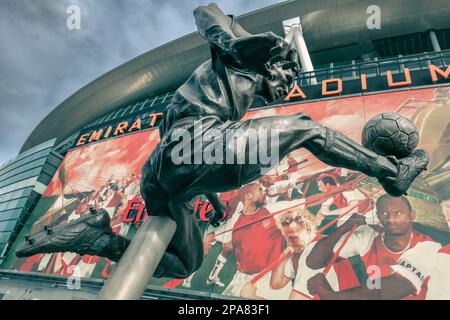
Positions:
{"x": 288, "y": 60}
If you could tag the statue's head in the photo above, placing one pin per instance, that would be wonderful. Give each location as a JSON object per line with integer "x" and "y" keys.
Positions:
{"x": 276, "y": 84}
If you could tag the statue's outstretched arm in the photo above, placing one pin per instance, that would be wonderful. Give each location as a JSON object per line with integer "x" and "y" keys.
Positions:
{"x": 250, "y": 52}
{"x": 214, "y": 25}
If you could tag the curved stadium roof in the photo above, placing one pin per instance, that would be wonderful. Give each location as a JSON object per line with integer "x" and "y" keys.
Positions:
{"x": 328, "y": 26}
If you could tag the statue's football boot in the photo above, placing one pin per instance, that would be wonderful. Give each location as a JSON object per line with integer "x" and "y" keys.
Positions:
{"x": 409, "y": 168}
{"x": 89, "y": 234}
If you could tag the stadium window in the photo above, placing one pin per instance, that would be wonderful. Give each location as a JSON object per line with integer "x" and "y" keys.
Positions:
{"x": 103, "y": 119}
{"x": 133, "y": 108}
{"x": 29, "y": 166}
{"x": 4, "y": 236}
{"x": 16, "y": 194}
{"x": 20, "y": 177}
{"x": 54, "y": 161}
{"x": 44, "y": 179}
{"x": 145, "y": 104}
{"x": 8, "y": 225}
{"x": 165, "y": 97}
{"x": 153, "y": 101}
{"x": 140, "y": 106}
{"x": 108, "y": 117}
{"x": 125, "y": 111}
{"x": 30, "y": 158}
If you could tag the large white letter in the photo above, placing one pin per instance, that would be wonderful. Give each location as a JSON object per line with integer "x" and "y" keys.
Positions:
{"x": 374, "y": 273}
{"x": 374, "y": 20}
{"x": 213, "y": 152}
{"x": 73, "y": 22}
{"x": 181, "y": 152}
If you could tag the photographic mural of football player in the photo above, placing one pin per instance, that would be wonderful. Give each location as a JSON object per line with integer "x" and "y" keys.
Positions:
{"x": 379, "y": 246}
{"x": 215, "y": 98}
{"x": 298, "y": 229}
{"x": 279, "y": 188}
{"x": 338, "y": 203}
{"x": 424, "y": 264}
{"x": 253, "y": 253}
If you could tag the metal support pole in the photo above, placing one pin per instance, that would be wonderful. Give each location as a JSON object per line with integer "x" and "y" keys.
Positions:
{"x": 434, "y": 41}
{"x": 294, "y": 34}
{"x": 137, "y": 265}
{"x": 303, "y": 52}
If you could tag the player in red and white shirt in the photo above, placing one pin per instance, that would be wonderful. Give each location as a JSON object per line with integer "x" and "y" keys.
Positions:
{"x": 257, "y": 242}
{"x": 277, "y": 189}
{"x": 298, "y": 229}
{"x": 339, "y": 203}
{"x": 380, "y": 247}
{"x": 425, "y": 262}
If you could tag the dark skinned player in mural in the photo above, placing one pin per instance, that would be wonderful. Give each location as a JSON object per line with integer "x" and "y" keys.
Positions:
{"x": 217, "y": 95}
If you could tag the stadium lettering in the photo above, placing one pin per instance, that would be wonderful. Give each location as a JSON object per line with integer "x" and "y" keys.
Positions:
{"x": 435, "y": 71}
{"x": 119, "y": 129}
{"x": 136, "y": 125}
{"x": 393, "y": 84}
{"x": 96, "y": 135}
{"x": 326, "y": 92}
{"x": 435, "y": 74}
{"x": 205, "y": 208}
{"x": 295, "y": 92}
{"x": 330, "y": 87}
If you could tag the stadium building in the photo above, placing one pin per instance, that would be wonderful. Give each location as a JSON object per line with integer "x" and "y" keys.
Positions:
{"x": 357, "y": 60}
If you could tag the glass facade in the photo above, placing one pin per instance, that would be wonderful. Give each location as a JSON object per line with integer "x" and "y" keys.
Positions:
{"x": 22, "y": 181}
{"x": 376, "y": 68}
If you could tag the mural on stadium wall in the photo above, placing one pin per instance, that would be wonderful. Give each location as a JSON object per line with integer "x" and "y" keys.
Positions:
{"x": 263, "y": 253}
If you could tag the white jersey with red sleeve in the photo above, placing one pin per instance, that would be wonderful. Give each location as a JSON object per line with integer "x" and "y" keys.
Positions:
{"x": 427, "y": 260}
{"x": 289, "y": 268}
{"x": 277, "y": 189}
{"x": 304, "y": 273}
{"x": 359, "y": 243}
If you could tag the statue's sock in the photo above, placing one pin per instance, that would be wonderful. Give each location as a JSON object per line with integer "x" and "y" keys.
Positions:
{"x": 338, "y": 150}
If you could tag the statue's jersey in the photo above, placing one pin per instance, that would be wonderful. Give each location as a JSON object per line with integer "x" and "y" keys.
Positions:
{"x": 214, "y": 90}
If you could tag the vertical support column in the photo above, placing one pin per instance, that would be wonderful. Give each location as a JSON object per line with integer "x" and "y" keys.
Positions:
{"x": 434, "y": 41}
{"x": 138, "y": 264}
{"x": 294, "y": 34}
{"x": 305, "y": 59}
